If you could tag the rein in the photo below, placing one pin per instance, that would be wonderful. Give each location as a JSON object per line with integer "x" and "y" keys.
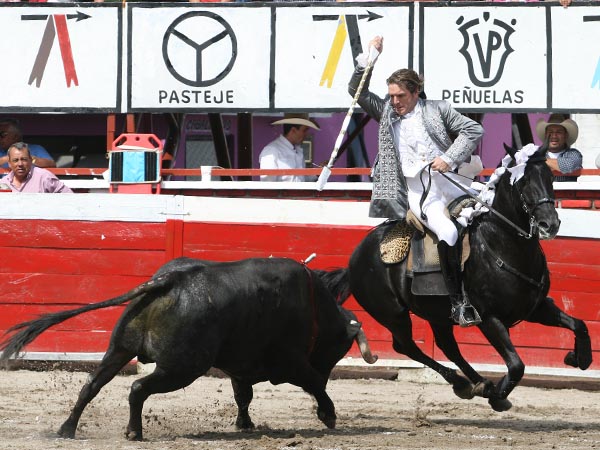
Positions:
{"x": 521, "y": 231}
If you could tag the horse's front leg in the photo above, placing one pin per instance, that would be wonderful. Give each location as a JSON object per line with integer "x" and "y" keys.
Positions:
{"x": 497, "y": 335}
{"x": 403, "y": 342}
{"x": 446, "y": 341}
{"x": 547, "y": 313}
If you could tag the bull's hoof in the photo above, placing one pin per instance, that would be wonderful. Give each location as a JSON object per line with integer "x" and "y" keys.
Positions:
{"x": 328, "y": 419}
{"x": 500, "y": 404}
{"x": 463, "y": 389}
{"x": 67, "y": 431}
{"x": 244, "y": 423}
{"x": 132, "y": 435}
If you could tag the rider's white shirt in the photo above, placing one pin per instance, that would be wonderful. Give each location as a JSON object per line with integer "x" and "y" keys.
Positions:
{"x": 415, "y": 147}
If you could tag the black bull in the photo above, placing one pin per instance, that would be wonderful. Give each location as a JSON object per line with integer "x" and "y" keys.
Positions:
{"x": 257, "y": 320}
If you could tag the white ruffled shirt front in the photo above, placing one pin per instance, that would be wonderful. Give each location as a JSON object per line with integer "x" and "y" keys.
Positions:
{"x": 414, "y": 145}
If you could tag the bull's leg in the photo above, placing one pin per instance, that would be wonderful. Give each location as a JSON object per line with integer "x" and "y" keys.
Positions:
{"x": 497, "y": 334}
{"x": 296, "y": 369}
{"x": 106, "y": 371}
{"x": 445, "y": 340}
{"x": 403, "y": 342}
{"x": 547, "y": 313}
{"x": 159, "y": 381}
{"x": 243, "y": 393}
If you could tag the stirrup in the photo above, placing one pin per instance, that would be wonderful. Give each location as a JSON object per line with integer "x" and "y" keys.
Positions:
{"x": 465, "y": 315}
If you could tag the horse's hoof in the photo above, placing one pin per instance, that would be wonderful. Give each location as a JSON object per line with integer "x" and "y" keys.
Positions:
{"x": 500, "y": 404}
{"x": 463, "y": 389}
{"x": 328, "y": 420}
{"x": 483, "y": 389}
{"x": 571, "y": 359}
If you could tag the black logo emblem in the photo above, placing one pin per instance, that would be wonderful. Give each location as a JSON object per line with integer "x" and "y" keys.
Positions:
{"x": 486, "y": 47}
{"x": 191, "y": 70}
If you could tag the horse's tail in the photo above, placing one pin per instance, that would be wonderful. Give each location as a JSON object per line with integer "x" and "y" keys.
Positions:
{"x": 337, "y": 282}
{"x": 26, "y": 332}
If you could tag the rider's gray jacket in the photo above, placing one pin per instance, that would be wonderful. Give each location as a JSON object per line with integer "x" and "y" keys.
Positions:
{"x": 389, "y": 197}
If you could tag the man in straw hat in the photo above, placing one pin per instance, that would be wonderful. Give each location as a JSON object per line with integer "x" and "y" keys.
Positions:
{"x": 415, "y": 149}
{"x": 286, "y": 151}
{"x": 560, "y": 134}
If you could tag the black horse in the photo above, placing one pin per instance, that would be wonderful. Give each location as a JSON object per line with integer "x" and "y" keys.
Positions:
{"x": 505, "y": 277}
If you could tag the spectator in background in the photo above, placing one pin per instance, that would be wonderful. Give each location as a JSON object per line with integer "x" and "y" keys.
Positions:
{"x": 11, "y": 132}
{"x": 25, "y": 177}
{"x": 561, "y": 134}
{"x": 286, "y": 151}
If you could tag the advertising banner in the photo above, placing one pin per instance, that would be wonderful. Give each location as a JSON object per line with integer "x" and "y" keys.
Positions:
{"x": 60, "y": 58}
{"x": 486, "y": 57}
{"x": 316, "y": 50}
{"x": 199, "y": 59}
{"x": 576, "y": 58}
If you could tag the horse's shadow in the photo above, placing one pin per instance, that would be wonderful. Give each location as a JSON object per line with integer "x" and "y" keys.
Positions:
{"x": 513, "y": 424}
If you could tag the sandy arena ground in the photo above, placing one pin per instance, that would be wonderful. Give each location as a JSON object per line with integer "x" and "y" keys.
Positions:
{"x": 372, "y": 414}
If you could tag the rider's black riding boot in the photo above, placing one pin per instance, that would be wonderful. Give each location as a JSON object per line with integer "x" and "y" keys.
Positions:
{"x": 463, "y": 312}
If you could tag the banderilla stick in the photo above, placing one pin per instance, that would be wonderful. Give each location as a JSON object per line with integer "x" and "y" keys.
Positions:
{"x": 326, "y": 172}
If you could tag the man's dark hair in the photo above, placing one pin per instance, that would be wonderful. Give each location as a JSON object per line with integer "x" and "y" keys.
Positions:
{"x": 288, "y": 126}
{"x": 407, "y": 79}
{"x": 12, "y": 122}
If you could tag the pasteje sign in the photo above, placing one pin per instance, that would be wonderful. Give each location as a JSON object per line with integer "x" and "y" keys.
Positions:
{"x": 187, "y": 59}
{"x": 486, "y": 58}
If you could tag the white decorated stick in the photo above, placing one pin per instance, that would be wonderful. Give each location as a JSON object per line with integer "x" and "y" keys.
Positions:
{"x": 326, "y": 172}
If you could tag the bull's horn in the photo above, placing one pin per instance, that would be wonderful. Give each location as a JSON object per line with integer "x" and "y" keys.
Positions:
{"x": 363, "y": 345}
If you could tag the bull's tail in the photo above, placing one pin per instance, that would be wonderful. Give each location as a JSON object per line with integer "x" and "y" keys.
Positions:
{"x": 337, "y": 282}
{"x": 26, "y": 332}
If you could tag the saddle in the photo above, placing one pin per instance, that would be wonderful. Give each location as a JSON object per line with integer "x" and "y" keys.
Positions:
{"x": 410, "y": 238}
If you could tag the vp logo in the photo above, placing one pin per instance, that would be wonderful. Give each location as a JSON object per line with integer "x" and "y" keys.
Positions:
{"x": 485, "y": 47}
{"x": 195, "y": 39}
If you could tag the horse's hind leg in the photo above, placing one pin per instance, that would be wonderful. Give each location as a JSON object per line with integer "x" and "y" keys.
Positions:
{"x": 547, "y": 313}
{"x": 106, "y": 371}
{"x": 404, "y": 343}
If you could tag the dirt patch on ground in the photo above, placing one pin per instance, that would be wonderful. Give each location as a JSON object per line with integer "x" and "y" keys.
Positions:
{"x": 372, "y": 414}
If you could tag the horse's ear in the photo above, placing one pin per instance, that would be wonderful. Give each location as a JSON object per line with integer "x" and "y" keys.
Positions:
{"x": 511, "y": 151}
{"x": 543, "y": 148}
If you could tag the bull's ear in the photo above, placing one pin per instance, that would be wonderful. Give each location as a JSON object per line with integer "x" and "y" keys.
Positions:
{"x": 511, "y": 151}
{"x": 543, "y": 148}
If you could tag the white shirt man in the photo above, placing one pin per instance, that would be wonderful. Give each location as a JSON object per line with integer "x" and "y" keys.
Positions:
{"x": 286, "y": 151}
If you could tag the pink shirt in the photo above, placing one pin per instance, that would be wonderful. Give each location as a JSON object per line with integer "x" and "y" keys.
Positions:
{"x": 38, "y": 180}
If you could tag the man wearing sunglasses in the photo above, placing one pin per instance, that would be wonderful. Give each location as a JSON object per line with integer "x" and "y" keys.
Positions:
{"x": 11, "y": 132}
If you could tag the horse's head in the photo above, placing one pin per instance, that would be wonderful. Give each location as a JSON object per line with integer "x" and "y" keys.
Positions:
{"x": 531, "y": 180}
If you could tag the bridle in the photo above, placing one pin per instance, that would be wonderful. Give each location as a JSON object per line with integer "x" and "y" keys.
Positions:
{"x": 530, "y": 209}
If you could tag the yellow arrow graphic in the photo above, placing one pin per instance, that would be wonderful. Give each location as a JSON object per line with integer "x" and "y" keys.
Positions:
{"x": 334, "y": 53}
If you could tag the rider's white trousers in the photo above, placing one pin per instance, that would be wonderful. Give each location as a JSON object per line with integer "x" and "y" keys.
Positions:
{"x": 441, "y": 193}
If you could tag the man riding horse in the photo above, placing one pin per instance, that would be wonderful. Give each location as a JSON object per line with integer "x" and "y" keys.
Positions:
{"x": 415, "y": 133}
